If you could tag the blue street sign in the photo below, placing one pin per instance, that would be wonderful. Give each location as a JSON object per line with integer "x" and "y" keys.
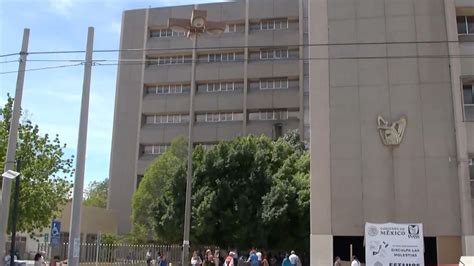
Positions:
{"x": 55, "y": 232}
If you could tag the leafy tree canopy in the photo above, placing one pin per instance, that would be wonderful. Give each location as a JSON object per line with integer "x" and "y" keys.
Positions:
{"x": 45, "y": 173}
{"x": 96, "y": 193}
{"x": 251, "y": 191}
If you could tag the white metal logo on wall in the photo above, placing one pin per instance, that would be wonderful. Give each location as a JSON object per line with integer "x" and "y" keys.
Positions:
{"x": 391, "y": 135}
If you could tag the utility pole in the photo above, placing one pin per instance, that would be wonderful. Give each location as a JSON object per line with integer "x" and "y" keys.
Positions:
{"x": 12, "y": 139}
{"x": 75, "y": 230}
{"x": 193, "y": 27}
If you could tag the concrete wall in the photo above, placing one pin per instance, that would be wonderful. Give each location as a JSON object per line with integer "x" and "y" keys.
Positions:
{"x": 126, "y": 118}
{"x": 411, "y": 182}
{"x": 93, "y": 220}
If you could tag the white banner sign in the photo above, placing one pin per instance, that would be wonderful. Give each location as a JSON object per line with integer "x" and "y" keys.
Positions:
{"x": 394, "y": 244}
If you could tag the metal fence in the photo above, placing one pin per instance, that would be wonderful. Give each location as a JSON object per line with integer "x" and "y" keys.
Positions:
{"x": 119, "y": 254}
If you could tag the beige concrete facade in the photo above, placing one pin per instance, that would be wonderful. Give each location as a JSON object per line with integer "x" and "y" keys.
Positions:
{"x": 360, "y": 59}
{"x": 389, "y": 58}
{"x": 266, "y": 95}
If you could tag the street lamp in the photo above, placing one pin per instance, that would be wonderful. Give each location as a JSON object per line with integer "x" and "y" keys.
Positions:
{"x": 10, "y": 174}
{"x": 193, "y": 27}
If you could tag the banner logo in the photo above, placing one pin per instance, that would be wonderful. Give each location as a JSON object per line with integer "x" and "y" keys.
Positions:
{"x": 413, "y": 231}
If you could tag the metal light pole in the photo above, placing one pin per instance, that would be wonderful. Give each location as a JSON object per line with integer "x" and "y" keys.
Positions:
{"x": 12, "y": 139}
{"x": 13, "y": 175}
{"x": 14, "y": 213}
{"x": 195, "y": 26}
{"x": 75, "y": 230}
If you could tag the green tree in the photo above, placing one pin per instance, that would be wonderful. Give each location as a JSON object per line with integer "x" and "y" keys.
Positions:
{"x": 251, "y": 191}
{"x": 96, "y": 193}
{"x": 44, "y": 185}
{"x": 158, "y": 203}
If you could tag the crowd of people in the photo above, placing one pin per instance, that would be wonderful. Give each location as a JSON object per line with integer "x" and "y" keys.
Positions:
{"x": 254, "y": 258}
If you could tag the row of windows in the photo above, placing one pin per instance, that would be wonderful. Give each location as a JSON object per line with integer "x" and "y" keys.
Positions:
{"x": 170, "y": 60}
{"x": 263, "y": 84}
{"x": 274, "y": 24}
{"x": 220, "y": 86}
{"x": 280, "y": 114}
{"x": 271, "y": 84}
{"x": 161, "y": 33}
{"x": 219, "y": 117}
{"x": 221, "y": 57}
{"x": 274, "y": 54}
{"x": 468, "y": 96}
{"x": 273, "y": 115}
{"x": 465, "y": 24}
{"x": 267, "y": 54}
{"x": 169, "y": 89}
{"x": 166, "y": 119}
{"x": 154, "y": 149}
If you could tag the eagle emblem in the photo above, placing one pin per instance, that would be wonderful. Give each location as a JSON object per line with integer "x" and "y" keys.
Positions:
{"x": 391, "y": 135}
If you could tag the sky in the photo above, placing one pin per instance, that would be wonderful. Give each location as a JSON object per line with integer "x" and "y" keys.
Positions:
{"x": 52, "y": 97}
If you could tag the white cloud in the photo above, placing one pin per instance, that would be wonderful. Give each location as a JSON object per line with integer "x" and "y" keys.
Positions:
{"x": 62, "y": 7}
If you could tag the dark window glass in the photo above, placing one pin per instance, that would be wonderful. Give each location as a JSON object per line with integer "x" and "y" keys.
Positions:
{"x": 461, "y": 25}
{"x": 468, "y": 94}
{"x": 470, "y": 25}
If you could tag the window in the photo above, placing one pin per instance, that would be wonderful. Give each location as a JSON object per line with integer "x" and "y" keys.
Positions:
{"x": 269, "y": 84}
{"x": 219, "y": 117}
{"x": 154, "y": 149}
{"x": 465, "y": 24}
{"x": 168, "y": 89}
{"x": 230, "y": 28}
{"x": 274, "y": 54}
{"x": 468, "y": 96}
{"x": 222, "y": 57}
{"x": 275, "y": 24}
{"x": 166, "y": 119}
{"x": 161, "y": 33}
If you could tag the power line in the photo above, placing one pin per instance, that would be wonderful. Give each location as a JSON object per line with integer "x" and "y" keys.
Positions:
{"x": 41, "y": 68}
{"x": 12, "y": 54}
{"x": 238, "y": 47}
{"x": 99, "y": 61}
{"x": 152, "y": 62}
{"x": 10, "y": 61}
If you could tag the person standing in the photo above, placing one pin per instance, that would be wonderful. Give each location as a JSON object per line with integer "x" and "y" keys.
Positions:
{"x": 259, "y": 257}
{"x": 163, "y": 262}
{"x": 253, "y": 258}
{"x": 294, "y": 259}
{"x": 337, "y": 261}
{"x": 229, "y": 260}
{"x": 265, "y": 261}
{"x": 148, "y": 257}
{"x": 209, "y": 261}
{"x": 195, "y": 259}
{"x": 286, "y": 261}
{"x": 355, "y": 261}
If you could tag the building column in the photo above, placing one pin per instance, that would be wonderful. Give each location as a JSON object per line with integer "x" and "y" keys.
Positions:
{"x": 320, "y": 169}
{"x": 467, "y": 237}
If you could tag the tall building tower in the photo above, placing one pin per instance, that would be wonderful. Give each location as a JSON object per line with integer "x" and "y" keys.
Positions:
{"x": 249, "y": 80}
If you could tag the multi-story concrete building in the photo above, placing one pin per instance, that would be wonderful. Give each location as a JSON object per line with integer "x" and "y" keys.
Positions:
{"x": 351, "y": 61}
{"x": 249, "y": 80}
